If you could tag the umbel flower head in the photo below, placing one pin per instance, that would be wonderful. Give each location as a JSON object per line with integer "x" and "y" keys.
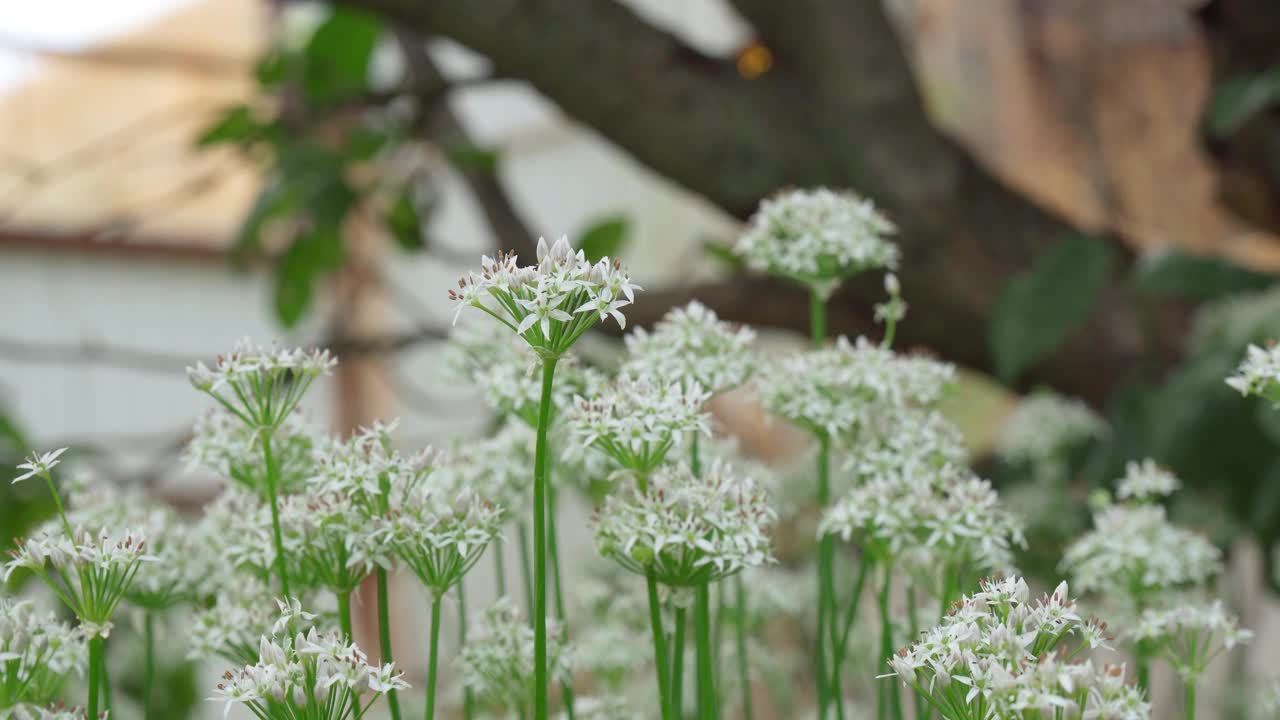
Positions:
{"x": 440, "y": 532}
{"x": 818, "y": 238}
{"x": 37, "y": 653}
{"x": 497, "y": 658}
{"x": 1189, "y": 637}
{"x": 223, "y": 444}
{"x": 496, "y": 468}
{"x": 261, "y": 386}
{"x": 369, "y": 472}
{"x": 692, "y": 346}
{"x": 56, "y": 711}
{"x": 831, "y": 390}
{"x": 309, "y": 674}
{"x": 550, "y": 304}
{"x": 1043, "y": 426}
{"x": 327, "y": 541}
{"x": 636, "y": 422}
{"x": 997, "y": 655}
{"x": 1146, "y": 480}
{"x": 242, "y": 612}
{"x": 182, "y": 565}
{"x": 687, "y": 530}
{"x": 1259, "y": 373}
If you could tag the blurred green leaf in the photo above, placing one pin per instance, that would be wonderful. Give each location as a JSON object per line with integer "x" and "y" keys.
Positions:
{"x": 473, "y": 157}
{"x": 605, "y": 237}
{"x": 273, "y": 201}
{"x": 1194, "y": 277}
{"x": 723, "y": 253}
{"x": 1040, "y": 307}
{"x": 365, "y": 142}
{"x": 405, "y": 223}
{"x": 295, "y": 282}
{"x": 236, "y": 125}
{"x": 1239, "y": 99}
{"x": 271, "y": 69}
{"x": 338, "y": 54}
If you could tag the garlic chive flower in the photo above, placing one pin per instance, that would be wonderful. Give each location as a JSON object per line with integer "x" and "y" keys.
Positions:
{"x": 40, "y": 464}
{"x": 181, "y": 567}
{"x": 37, "y": 654}
{"x": 328, "y": 543}
{"x": 242, "y": 611}
{"x": 440, "y": 532}
{"x": 602, "y": 707}
{"x": 370, "y": 472}
{"x": 1146, "y": 481}
{"x": 261, "y": 386}
{"x": 315, "y": 675}
{"x": 832, "y": 390}
{"x": 56, "y": 711}
{"x": 1259, "y": 373}
{"x": 1043, "y": 426}
{"x": 1189, "y": 637}
{"x": 89, "y": 571}
{"x": 636, "y": 422}
{"x": 999, "y": 654}
{"x": 691, "y": 345}
{"x": 497, "y": 659}
{"x": 818, "y": 238}
{"x": 1134, "y": 552}
{"x": 496, "y": 468}
{"x": 893, "y": 310}
{"x": 687, "y": 530}
{"x": 224, "y": 445}
{"x": 550, "y": 304}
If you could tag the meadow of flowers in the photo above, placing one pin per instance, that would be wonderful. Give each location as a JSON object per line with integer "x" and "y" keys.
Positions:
{"x": 877, "y": 579}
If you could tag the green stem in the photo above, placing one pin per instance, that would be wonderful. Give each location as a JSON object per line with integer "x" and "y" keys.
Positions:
{"x": 526, "y": 568}
{"x": 566, "y": 686}
{"x": 272, "y": 490}
{"x": 817, "y": 319}
{"x": 890, "y": 700}
{"x": 149, "y": 668}
{"x": 702, "y": 643}
{"x": 95, "y": 673}
{"x": 829, "y": 682}
{"x": 105, "y": 682}
{"x": 1190, "y": 699}
{"x": 818, "y": 337}
{"x": 499, "y": 566}
{"x": 468, "y": 697}
{"x": 431, "y": 658}
{"x": 923, "y": 711}
{"x": 57, "y": 502}
{"x": 695, "y": 459}
{"x": 740, "y": 627}
{"x": 851, "y": 613}
{"x": 384, "y": 637}
{"x": 717, "y": 625}
{"x": 659, "y": 646}
{"x": 677, "y": 667}
{"x": 1143, "y": 663}
{"x": 344, "y": 622}
{"x": 540, "y": 681}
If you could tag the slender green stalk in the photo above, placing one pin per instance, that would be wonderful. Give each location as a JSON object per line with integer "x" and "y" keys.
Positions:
{"x": 717, "y": 646}
{"x": 677, "y": 666}
{"x": 95, "y": 673}
{"x": 851, "y": 612}
{"x": 384, "y": 637}
{"x": 431, "y": 658}
{"x": 1189, "y": 700}
{"x": 468, "y": 697}
{"x": 273, "y": 481}
{"x": 57, "y": 502}
{"x": 890, "y": 700}
{"x": 540, "y": 681}
{"x": 499, "y": 566}
{"x": 104, "y": 684}
{"x": 1142, "y": 660}
{"x": 566, "y": 686}
{"x": 526, "y": 568}
{"x": 149, "y": 667}
{"x": 659, "y": 647}
{"x": 923, "y": 711}
{"x": 826, "y": 691}
{"x": 817, "y": 319}
{"x": 695, "y": 459}
{"x": 344, "y": 622}
{"x": 740, "y": 632}
{"x": 702, "y": 644}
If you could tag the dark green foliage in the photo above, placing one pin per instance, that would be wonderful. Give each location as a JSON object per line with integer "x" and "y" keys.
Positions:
{"x": 605, "y": 237}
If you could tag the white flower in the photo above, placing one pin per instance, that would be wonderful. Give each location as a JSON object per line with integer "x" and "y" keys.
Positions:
{"x": 606, "y": 707}
{"x": 817, "y": 237}
{"x": 497, "y": 658}
{"x": 832, "y": 390}
{"x": 261, "y": 386}
{"x": 550, "y": 304}
{"x": 691, "y": 346}
{"x": 37, "y": 653}
{"x": 496, "y": 468}
{"x": 688, "y": 530}
{"x": 370, "y": 472}
{"x": 636, "y": 422}
{"x": 182, "y": 565}
{"x": 223, "y": 444}
{"x": 243, "y": 610}
{"x": 1259, "y": 373}
{"x": 1043, "y": 425}
{"x": 1189, "y": 636}
{"x": 440, "y": 532}
{"x": 39, "y": 464}
{"x": 1146, "y": 481}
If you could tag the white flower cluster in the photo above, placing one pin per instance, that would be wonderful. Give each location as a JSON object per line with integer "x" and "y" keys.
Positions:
{"x": 223, "y": 444}
{"x": 636, "y": 422}
{"x": 998, "y": 655}
{"x": 370, "y": 472}
{"x": 242, "y": 612}
{"x": 830, "y": 391}
{"x": 817, "y": 237}
{"x": 1146, "y": 481}
{"x": 261, "y": 386}
{"x": 327, "y": 542}
{"x": 39, "y": 464}
{"x": 91, "y": 572}
{"x": 1189, "y": 637}
{"x": 313, "y": 675}
{"x": 692, "y": 346}
{"x": 497, "y": 658}
{"x": 496, "y": 468}
{"x": 182, "y": 568}
{"x": 550, "y": 304}
{"x": 440, "y": 532}
{"x": 602, "y": 707}
{"x": 1270, "y": 700}
{"x": 1045, "y": 424}
{"x": 688, "y": 530}
{"x": 1134, "y": 549}
{"x": 57, "y": 711}
{"x": 1259, "y": 373}
{"x": 37, "y": 652}
{"x": 236, "y": 527}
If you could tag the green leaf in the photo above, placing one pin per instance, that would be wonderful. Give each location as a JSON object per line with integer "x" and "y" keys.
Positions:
{"x": 236, "y": 125}
{"x": 1041, "y": 306}
{"x": 336, "y": 58}
{"x": 473, "y": 157}
{"x": 1182, "y": 275}
{"x": 405, "y": 223}
{"x": 722, "y": 252}
{"x": 295, "y": 282}
{"x": 1241, "y": 98}
{"x": 605, "y": 238}
{"x": 274, "y": 200}
{"x": 271, "y": 69}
